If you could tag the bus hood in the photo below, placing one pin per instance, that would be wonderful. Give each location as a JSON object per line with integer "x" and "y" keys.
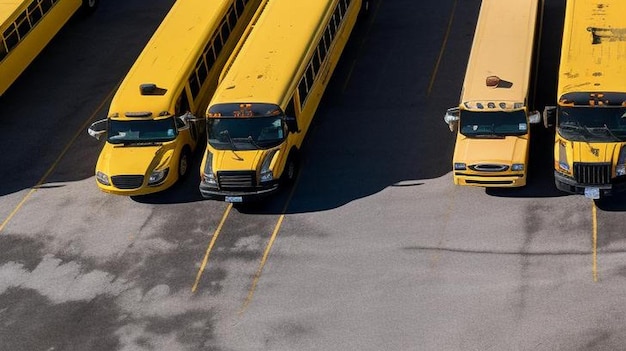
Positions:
{"x": 242, "y": 160}
{"x": 580, "y": 151}
{"x": 133, "y": 160}
{"x": 509, "y": 150}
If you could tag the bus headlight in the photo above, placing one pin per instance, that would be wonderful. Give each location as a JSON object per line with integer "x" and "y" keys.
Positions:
{"x": 620, "y": 169}
{"x": 158, "y": 177}
{"x": 458, "y": 166}
{"x": 517, "y": 167}
{"x": 208, "y": 177}
{"x": 102, "y": 178}
{"x": 266, "y": 173}
{"x": 564, "y": 166}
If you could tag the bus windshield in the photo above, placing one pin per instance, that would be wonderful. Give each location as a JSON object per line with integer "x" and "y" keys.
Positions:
{"x": 593, "y": 123}
{"x": 493, "y": 124}
{"x": 138, "y": 131}
{"x": 252, "y": 133}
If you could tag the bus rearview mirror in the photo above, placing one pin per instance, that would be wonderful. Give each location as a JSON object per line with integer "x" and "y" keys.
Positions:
{"x": 98, "y": 129}
{"x": 549, "y": 116}
{"x": 534, "y": 117}
{"x": 452, "y": 118}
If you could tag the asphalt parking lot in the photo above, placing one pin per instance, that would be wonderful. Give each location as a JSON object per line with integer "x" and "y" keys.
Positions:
{"x": 373, "y": 248}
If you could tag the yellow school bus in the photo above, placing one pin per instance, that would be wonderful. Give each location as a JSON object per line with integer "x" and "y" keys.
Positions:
{"x": 151, "y": 129}
{"x": 264, "y": 104}
{"x": 590, "y": 115}
{"x": 26, "y": 27}
{"x": 492, "y": 120}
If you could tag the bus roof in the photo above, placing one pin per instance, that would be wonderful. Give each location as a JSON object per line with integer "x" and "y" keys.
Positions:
{"x": 502, "y": 47}
{"x": 169, "y": 56}
{"x": 8, "y": 8}
{"x": 594, "y": 47}
{"x": 267, "y": 67}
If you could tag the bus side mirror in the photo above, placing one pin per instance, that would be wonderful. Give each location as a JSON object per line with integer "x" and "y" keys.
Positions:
{"x": 549, "y": 116}
{"x": 189, "y": 117}
{"x": 534, "y": 117}
{"x": 452, "y": 118}
{"x": 292, "y": 124}
{"x": 98, "y": 129}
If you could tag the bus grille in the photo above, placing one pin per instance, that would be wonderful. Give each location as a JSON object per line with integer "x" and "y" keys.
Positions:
{"x": 127, "y": 181}
{"x": 592, "y": 173}
{"x": 238, "y": 180}
{"x": 489, "y": 168}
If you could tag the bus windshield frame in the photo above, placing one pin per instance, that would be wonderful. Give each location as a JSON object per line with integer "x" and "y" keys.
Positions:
{"x": 246, "y": 126}
{"x": 129, "y": 132}
{"x": 496, "y": 124}
{"x": 599, "y": 124}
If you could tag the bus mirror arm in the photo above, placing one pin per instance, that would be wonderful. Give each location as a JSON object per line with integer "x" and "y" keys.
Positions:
{"x": 549, "y": 116}
{"x": 95, "y": 134}
{"x": 97, "y": 129}
{"x": 534, "y": 117}
{"x": 452, "y": 118}
{"x": 189, "y": 117}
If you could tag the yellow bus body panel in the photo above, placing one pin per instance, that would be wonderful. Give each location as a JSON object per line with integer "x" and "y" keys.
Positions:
{"x": 593, "y": 59}
{"x": 503, "y": 46}
{"x": 16, "y": 61}
{"x": 510, "y": 150}
{"x": 169, "y": 60}
{"x": 268, "y": 69}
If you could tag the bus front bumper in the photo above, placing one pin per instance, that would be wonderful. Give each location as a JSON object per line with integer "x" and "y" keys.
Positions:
{"x": 504, "y": 181}
{"x": 239, "y": 196}
{"x": 570, "y": 185}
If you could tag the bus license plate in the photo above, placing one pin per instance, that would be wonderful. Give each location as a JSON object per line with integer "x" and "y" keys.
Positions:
{"x": 233, "y": 199}
{"x": 592, "y": 193}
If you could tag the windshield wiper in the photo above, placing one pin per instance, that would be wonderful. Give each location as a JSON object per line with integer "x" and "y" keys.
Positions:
{"x": 473, "y": 133}
{"x": 251, "y": 140}
{"x": 605, "y": 127}
{"x": 139, "y": 143}
{"x": 577, "y": 125}
{"x": 230, "y": 140}
{"x": 232, "y": 143}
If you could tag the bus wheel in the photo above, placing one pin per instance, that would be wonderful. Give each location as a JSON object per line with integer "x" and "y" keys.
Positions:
{"x": 183, "y": 163}
{"x": 365, "y": 8}
{"x": 89, "y": 6}
{"x": 291, "y": 169}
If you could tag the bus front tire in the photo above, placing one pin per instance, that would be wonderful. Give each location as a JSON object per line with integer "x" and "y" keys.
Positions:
{"x": 291, "y": 170}
{"x": 183, "y": 163}
{"x": 365, "y": 8}
{"x": 89, "y": 6}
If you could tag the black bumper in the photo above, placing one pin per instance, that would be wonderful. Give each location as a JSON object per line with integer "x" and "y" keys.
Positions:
{"x": 570, "y": 185}
{"x": 239, "y": 196}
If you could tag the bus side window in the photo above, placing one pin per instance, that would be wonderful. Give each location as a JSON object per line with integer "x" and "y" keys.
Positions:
{"x": 292, "y": 120}
{"x": 182, "y": 104}
{"x": 290, "y": 111}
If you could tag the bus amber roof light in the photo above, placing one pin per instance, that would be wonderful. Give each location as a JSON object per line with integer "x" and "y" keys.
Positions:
{"x": 492, "y": 81}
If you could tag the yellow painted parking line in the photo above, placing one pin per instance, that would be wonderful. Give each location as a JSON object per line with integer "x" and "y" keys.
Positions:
{"x": 58, "y": 159}
{"x": 443, "y": 49}
{"x": 594, "y": 214}
{"x": 205, "y": 260}
{"x": 268, "y": 248}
